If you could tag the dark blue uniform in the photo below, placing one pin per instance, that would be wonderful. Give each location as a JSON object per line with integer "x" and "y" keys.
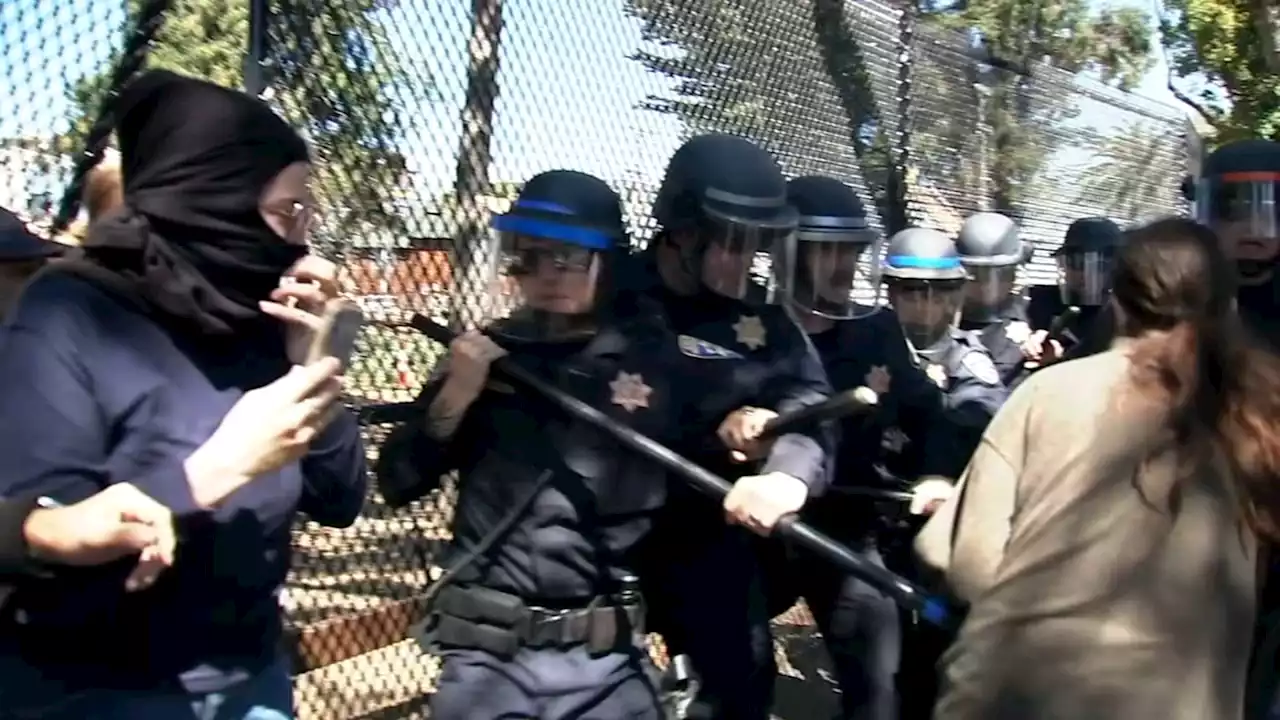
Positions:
{"x": 972, "y": 390}
{"x": 907, "y": 436}
{"x": 1003, "y": 338}
{"x": 704, "y": 584}
{"x": 1088, "y": 333}
{"x": 538, "y": 621}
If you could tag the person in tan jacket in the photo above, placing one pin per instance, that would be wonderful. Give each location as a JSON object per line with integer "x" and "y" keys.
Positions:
{"x": 1105, "y": 532}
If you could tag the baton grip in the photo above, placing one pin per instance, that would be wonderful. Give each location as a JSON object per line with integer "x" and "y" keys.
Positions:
{"x": 850, "y": 402}
{"x": 1060, "y": 323}
{"x": 905, "y": 593}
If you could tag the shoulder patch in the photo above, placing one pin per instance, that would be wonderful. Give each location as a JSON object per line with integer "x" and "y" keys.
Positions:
{"x": 1017, "y": 331}
{"x": 703, "y": 350}
{"x": 980, "y": 365}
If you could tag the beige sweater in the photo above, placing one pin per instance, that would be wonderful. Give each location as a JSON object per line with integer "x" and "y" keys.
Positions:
{"x": 1090, "y": 598}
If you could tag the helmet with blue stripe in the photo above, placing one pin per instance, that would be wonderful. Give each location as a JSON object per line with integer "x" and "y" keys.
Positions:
{"x": 921, "y": 254}
{"x": 558, "y": 248}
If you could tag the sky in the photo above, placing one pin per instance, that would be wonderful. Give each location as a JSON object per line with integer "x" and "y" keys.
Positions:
{"x": 558, "y": 58}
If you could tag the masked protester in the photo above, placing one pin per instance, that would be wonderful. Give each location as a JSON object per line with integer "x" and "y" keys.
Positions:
{"x": 540, "y": 615}
{"x": 991, "y": 251}
{"x": 119, "y": 366}
{"x": 22, "y": 254}
{"x": 721, "y": 210}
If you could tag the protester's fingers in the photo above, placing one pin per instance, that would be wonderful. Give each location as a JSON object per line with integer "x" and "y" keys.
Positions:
{"x": 306, "y": 296}
{"x": 314, "y": 407}
{"x": 303, "y": 381}
{"x": 291, "y": 315}
{"x": 150, "y": 564}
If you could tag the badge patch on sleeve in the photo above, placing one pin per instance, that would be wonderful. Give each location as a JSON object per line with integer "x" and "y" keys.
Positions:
{"x": 696, "y": 348}
{"x": 981, "y": 367}
{"x": 878, "y": 379}
{"x": 630, "y": 391}
{"x": 751, "y": 331}
{"x": 1017, "y": 331}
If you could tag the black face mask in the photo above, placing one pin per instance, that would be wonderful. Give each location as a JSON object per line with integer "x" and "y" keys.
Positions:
{"x": 190, "y": 242}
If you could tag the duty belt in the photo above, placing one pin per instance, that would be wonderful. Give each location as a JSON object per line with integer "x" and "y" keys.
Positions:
{"x": 501, "y": 623}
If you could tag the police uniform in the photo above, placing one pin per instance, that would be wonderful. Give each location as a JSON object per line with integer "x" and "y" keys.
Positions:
{"x": 1085, "y": 260}
{"x": 1235, "y": 196}
{"x": 991, "y": 251}
{"x": 725, "y": 198}
{"x": 539, "y": 614}
{"x": 925, "y": 280}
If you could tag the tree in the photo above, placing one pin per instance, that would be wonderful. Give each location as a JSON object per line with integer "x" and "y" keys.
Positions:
{"x": 1021, "y": 39}
{"x": 1231, "y": 44}
{"x": 333, "y": 78}
{"x": 759, "y": 68}
{"x": 1130, "y": 176}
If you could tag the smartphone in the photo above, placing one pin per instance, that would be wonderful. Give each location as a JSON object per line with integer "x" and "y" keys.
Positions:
{"x": 339, "y": 328}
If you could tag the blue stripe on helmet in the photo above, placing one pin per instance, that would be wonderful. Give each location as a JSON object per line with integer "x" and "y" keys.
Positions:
{"x": 923, "y": 263}
{"x": 536, "y": 227}
{"x": 530, "y": 204}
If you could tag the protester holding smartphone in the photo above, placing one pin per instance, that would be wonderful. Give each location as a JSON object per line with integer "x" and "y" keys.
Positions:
{"x": 123, "y": 366}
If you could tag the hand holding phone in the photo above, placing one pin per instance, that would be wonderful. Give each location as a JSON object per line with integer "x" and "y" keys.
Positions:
{"x": 339, "y": 329}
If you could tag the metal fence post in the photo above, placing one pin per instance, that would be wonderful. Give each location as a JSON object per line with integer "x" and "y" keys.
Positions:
{"x": 256, "y": 54}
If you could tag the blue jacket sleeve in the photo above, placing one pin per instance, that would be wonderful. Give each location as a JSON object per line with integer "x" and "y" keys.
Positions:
{"x": 53, "y": 433}
{"x": 411, "y": 462}
{"x": 809, "y": 455}
{"x": 335, "y": 474}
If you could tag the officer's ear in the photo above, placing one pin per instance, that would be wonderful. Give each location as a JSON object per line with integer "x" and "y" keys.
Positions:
{"x": 1188, "y": 189}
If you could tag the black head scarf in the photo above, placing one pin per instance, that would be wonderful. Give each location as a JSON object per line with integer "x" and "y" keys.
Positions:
{"x": 190, "y": 243}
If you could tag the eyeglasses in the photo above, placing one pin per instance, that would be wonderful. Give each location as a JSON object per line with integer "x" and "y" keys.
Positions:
{"x": 298, "y": 217}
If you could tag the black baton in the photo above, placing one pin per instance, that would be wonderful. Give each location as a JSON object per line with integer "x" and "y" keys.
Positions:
{"x": 907, "y": 594}
{"x": 1060, "y": 323}
{"x": 849, "y": 402}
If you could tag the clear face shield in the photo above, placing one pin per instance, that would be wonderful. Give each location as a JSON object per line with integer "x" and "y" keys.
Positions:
{"x": 823, "y": 272}
{"x": 1084, "y": 278}
{"x": 926, "y": 309}
{"x": 548, "y": 289}
{"x": 736, "y": 258}
{"x": 1241, "y": 208}
{"x": 988, "y": 290}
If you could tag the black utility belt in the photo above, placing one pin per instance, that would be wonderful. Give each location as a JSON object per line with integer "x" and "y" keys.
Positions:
{"x": 478, "y": 618}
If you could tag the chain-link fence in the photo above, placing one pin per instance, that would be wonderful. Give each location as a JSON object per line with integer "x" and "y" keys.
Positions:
{"x": 426, "y": 115}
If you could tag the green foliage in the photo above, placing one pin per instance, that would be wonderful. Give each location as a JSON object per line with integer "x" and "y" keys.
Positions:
{"x": 333, "y": 78}
{"x": 1232, "y": 45}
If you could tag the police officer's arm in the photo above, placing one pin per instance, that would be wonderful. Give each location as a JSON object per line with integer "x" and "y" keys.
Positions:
{"x": 416, "y": 455}
{"x": 807, "y": 455}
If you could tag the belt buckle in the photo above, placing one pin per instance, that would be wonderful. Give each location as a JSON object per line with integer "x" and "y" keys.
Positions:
{"x": 544, "y": 619}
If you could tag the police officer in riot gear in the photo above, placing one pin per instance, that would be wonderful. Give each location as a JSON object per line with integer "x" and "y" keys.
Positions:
{"x": 1085, "y": 259}
{"x": 539, "y": 614}
{"x": 991, "y": 251}
{"x": 1236, "y": 196}
{"x": 721, "y": 208}
{"x": 926, "y": 285}
{"x": 833, "y": 256}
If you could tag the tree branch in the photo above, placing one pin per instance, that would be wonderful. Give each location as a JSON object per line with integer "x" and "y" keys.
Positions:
{"x": 1263, "y": 24}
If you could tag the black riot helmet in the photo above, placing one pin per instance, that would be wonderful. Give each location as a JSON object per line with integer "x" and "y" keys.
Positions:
{"x": 1236, "y": 196}
{"x": 833, "y": 251}
{"x": 991, "y": 250}
{"x": 723, "y": 201}
{"x": 1085, "y": 260}
{"x": 925, "y": 279}
{"x": 557, "y": 250}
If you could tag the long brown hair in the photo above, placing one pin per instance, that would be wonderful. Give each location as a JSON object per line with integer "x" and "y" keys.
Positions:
{"x": 1176, "y": 290}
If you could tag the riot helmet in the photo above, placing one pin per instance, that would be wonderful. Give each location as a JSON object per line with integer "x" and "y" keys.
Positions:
{"x": 1236, "y": 196}
{"x": 925, "y": 281}
{"x": 1085, "y": 260}
{"x": 722, "y": 207}
{"x": 990, "y": 250}
{"x": 556, "y": 254}
{"x": 832, "y": 253}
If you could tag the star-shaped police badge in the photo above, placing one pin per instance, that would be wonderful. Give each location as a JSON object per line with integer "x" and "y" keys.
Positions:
{"x": 630, "y": 391}
{"x": 1017, "y": 331}
{"x": 878, "y": 379}
{"x": 937, "y": 374}
{"x": 750, "y": 331}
